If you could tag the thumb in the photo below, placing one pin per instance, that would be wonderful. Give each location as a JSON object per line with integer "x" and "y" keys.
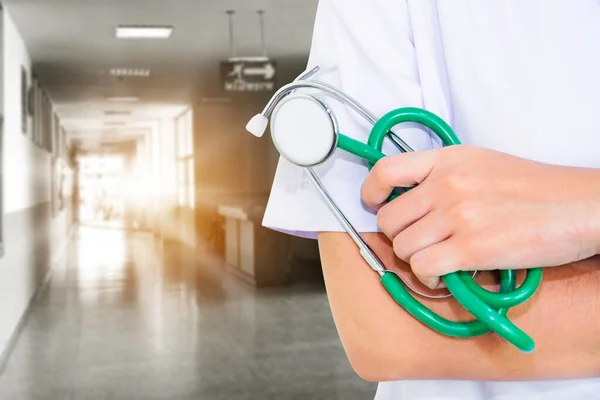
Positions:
{"x": 400, "y": 170}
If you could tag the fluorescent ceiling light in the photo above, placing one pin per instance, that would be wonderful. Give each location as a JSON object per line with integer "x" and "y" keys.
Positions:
{"x": 117, "y": 112}
{"x": 123, "y": 99}
{"x": 137, "y": 72}
{"x": 249, "y": 59}
{"x": 216, "y": 100}
{"x": 144, "y": 32}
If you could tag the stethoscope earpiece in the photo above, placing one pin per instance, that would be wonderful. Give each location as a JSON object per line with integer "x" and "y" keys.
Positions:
{"x": 257, "y": 125}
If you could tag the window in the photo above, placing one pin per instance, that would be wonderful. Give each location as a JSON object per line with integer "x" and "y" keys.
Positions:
{"x": 47, "y": 121}
{"x": 41, "y": 112}
{"x": 38, "y": 113}
{"x": 184, "y": 158}
{"x": 54, "y": 134}
{"x": 24, "y": 97}
{"x": 33, "y": 107}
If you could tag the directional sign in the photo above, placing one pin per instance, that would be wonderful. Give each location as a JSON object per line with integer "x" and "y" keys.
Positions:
{"x": 248, "y": 75}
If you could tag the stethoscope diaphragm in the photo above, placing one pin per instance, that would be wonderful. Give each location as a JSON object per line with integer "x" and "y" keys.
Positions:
{"x": 303, "y": 130}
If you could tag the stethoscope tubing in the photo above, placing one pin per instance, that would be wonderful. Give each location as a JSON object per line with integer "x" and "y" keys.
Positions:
{"x": 487, "y": 307}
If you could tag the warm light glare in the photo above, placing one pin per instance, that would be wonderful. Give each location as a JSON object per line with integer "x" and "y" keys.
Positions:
{"x": 144, "y": 32}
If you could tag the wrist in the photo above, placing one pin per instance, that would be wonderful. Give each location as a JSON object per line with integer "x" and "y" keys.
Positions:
{"x": 584, "y": 195}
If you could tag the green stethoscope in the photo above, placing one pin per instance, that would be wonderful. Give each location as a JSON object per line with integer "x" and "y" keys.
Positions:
{"x": 305, "y": 132}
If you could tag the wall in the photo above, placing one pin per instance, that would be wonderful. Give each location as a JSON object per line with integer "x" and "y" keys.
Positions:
{"x": 1, "y": 61}
{"x": 32, "y": 236}
{"x": 232, "y": 166}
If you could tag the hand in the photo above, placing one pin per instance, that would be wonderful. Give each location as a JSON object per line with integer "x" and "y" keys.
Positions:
{"x": 479, "y": 209}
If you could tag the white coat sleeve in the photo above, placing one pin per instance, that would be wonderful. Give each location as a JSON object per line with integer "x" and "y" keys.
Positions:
{"x": 371, "y": 49}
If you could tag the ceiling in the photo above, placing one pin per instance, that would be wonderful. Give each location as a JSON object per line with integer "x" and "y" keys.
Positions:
{"x": 73, "y": 46}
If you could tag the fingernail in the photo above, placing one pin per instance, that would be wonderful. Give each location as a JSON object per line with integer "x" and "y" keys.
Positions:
{"x": 431, "y": 283}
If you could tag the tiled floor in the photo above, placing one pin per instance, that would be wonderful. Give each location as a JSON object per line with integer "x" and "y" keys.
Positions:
{"x": 120, "y": 321}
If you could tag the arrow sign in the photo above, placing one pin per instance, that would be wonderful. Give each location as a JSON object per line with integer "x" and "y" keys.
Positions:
{"x": 248, "y": 75}
{"x": 267, "y": 71}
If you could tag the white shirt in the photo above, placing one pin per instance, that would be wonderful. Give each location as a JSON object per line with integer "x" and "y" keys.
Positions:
{"x": 522, "y": 77}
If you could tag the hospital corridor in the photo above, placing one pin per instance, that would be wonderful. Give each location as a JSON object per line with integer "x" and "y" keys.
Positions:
{"x": 133, "y": 259}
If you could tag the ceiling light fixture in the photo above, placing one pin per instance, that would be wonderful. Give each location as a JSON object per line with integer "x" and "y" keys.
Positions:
{"x": 144, "y": 32}
{"x": 123, "y": 99}
{"x": 117, "y": 112}
{"x": 213, "y": 100}
{"x": 137, "y": 72}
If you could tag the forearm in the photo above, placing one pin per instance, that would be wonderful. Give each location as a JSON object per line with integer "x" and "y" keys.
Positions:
{"x": 384, "y": 343}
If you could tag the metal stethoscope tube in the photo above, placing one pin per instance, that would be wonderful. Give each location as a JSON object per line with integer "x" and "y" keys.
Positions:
{"x": 301, "y": 82}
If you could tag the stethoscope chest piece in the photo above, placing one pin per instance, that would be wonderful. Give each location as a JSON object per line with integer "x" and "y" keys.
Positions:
{"x": 304, "y": 130}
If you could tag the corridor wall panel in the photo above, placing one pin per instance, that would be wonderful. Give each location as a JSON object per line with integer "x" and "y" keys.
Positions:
{"x": 32, "y": 235}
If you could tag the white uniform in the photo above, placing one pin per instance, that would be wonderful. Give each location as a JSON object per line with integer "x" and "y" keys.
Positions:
{"x": 522, "y": 77}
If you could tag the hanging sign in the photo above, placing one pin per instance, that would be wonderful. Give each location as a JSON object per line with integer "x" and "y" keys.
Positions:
{"x": 248, "y": 75}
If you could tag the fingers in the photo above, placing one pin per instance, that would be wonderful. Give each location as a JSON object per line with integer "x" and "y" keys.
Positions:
{"x": 405, "y": 210}
{"x": 402, "y": 170}
{"x": 438, "y": 260}
{"x": 424, "y": 233}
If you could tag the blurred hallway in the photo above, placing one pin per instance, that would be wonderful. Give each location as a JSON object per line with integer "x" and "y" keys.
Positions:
{"x": 129, "y": 180}
{"x": 119, "y": 321}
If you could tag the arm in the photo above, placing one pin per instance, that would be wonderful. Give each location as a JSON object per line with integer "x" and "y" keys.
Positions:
{"x": 473, "y": 209}
{"x": 384, "y": 343}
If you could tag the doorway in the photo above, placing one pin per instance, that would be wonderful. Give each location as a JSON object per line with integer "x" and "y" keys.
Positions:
{"x": 102, "y": 188}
